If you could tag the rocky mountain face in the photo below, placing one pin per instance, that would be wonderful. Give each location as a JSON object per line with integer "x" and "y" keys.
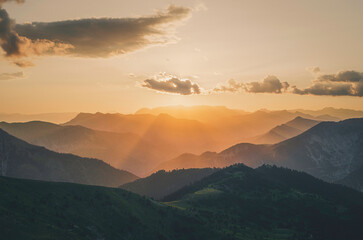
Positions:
{"x": 330, "y": 151}
{"x": 22, "y": 160}
{"x": 353, "y": 180}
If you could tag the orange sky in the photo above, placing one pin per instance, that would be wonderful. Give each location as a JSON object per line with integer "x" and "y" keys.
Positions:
{"x": 207, "y": 43}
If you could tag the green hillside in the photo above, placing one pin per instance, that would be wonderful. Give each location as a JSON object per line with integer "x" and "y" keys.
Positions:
{"x": 272, "y": 203}
{"x": 41, "y": 210}
{"x": 162, "y": 183}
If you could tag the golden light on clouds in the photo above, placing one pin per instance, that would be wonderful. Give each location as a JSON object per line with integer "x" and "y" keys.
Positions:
{"x": 246, "y": 54}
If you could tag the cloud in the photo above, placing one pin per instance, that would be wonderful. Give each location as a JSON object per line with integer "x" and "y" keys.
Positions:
{"x": 343, "y": 83}
{"x": 16, "y": 46}
{"x": 232, "y": 86}
{"x": 23, "y": 64}
{"x": 271, "y": 84}
{"x": 92, "y": 37}
{"x": 173, "y": 85}
{"x": 105, "y": 37}
{"x": 4, "y": 1}
{"x": 342, "y": 76}
{"x": 10, "y": 76}
{"x": 313, "y": 69}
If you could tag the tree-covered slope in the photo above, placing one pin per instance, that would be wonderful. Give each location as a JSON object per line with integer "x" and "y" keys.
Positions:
{"x": 32, "y": 210}
{"x": 272, "y": 203}
{"x": 162, "y": 183}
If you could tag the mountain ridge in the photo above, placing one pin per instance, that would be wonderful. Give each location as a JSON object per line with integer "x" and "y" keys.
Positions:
{"x": 20, "y": 159}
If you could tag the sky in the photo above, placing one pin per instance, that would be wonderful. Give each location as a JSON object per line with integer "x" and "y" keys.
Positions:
{"x": 119, "y": 56}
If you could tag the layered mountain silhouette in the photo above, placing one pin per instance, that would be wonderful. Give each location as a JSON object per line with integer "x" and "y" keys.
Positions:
{"x": 20, "y": 159}
{"x": 205, "y": 114}
{"x": 162, "y": 183}
{"x": 272, "y": 203}
{"x": 285, "y": 131}
{"x": 47, "y": 117}
{"x": 330, "y": 151}
{"x": 179, "y": 135}
{"x": 337, "y": 113}
{"x": 122, "y": 150}
{"x": 167, "y": 133}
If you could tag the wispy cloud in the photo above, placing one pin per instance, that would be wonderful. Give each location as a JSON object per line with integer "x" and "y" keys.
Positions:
{"x": 10, "y": 76}
{"x": 313, "y": 69}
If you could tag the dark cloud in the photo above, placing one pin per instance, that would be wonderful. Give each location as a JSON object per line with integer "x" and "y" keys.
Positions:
{"x": 93, "y": 37}
{"x": 344, "y": 83}
{"x": 16, "y": 46}
{"x": 10, "y": 76}
{"x": 104, "y": 37}
{"x": 173, "y": 85}
{"x": 342, "y": 76}
{"x": 270, "y": 84}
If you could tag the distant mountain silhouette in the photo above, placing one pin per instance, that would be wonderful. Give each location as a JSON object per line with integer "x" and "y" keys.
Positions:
{"x": 19, "y": 159}
{"x": 217, "y": 128}
{"x": 285, "y": 131}
{"x": 122, "y": 150}
{"x": 272, "y": 203}
{"x": 204, "y": 114}
{"x": 162, "y": 183}
{"x": 330, "y": 151}
{"x": 47, "y": 117}
{"x": 179, "y": 135}
{"x": 339, "y": 113}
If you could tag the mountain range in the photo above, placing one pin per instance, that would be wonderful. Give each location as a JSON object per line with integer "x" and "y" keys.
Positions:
{"x": 20, "y": 159}
{"x": 47, "y": 117}
{"x": 140, "y": 142}
{"x": 329, "y": 150}
{"x": 285, "y": 131}
{"x": 122, "y": 150}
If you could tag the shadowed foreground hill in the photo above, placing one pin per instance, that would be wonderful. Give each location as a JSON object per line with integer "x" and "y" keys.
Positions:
{"x": 272, "y": 203}
{"x": 162, "y": 183}
{"x": 20, "y": 159}
{"x": 32, "y": 210}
